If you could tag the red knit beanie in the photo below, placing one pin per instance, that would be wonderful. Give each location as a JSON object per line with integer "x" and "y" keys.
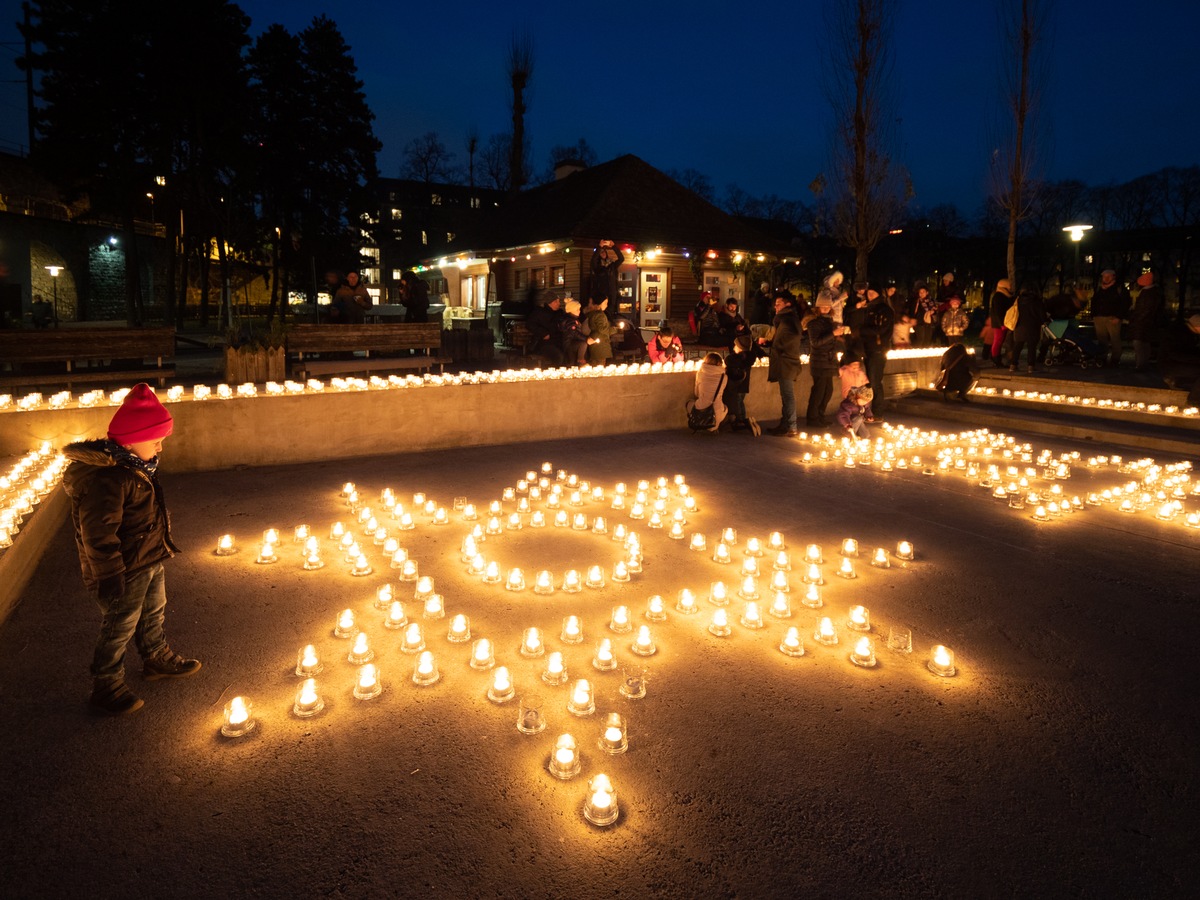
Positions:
{"x": 1145, "y": 280}
{"x": 140, "y": 418}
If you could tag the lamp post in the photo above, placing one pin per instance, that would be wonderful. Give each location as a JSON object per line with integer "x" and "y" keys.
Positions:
{"x": 1076, "y": 232}
{"x": 54, "y": 270}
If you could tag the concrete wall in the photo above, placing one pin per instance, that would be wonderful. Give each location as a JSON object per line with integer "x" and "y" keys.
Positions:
{"x": 221, "y": 434}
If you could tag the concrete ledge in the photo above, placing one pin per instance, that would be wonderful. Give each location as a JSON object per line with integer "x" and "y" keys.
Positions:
{"x": 18, "y": 562}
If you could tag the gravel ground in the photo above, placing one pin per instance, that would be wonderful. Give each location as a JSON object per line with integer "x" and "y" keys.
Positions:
{"x": 1059, "y": 761}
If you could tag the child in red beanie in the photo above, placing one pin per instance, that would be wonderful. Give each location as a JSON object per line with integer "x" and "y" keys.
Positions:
{"x": 123, "y": 534}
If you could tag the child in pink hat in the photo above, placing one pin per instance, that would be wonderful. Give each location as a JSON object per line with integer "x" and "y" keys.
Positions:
{"x": 123, "y": 534}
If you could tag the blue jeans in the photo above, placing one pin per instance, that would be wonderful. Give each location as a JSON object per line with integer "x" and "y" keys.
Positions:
{"x": 787, "y": 393}
{"x": 138, "y": 614}
{"x": 737, "y": 406}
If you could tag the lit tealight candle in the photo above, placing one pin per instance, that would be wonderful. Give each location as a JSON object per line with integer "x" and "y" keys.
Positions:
{"x": 482, "y": 655}
{"x": 780, "y": 583}
{"x": 941, "y": 661}
{"x": 266, "y": 554}
{"x": 603, "y": 660}
{"x": 491, "y": 573}
{"x": 619, "y": 622}
{"x": 753, "y": 547}
{"x": 783, "y": 562}
{"x": 564, "y": 761}
{"x": 425, "y": 672}
{"x": 655, "y": 609}
{"x": 863, "y": 653}
{"x": 531, "y": 644}
{"x": 225, "y": 546}
{"x": 424, "y": 589}
{"x": 595, "y": 577}
{"x": 572, "y": 630}
{"x": 826, "y": 633}
{"x": 697, "y": 542}
{"x": 555, "y": 672}
{"x": 846, "y": 569}
{"x": 460, "y": 630}
{"x": 582, "y": 702}
{"x": 749, "y": 566}
{"x": 361, "y": 566}
{"x": 395, "y": 616}
{"x": 621, "y": 570}
{"x": 781, "y": 607}
{"x": 749, "y": 588}
{"x": 904, "y": 550}
{"x": 361, "y": 652}
{"x": 643, "y": 644}
{"x": 775, "y": 542}
{"x": 849, "y": 547}
{"x": 572, "y": 583}
{"x": 344, "y": 628}
{"x": 515, "y": 580}
{"x": 792, "y": 644}
{"x": 615, "y": 738}
{"x": 686, "y": 603}
{"x": 501, "y": 690}
{"x": 879, "y": 559}
{"x": 308, "y": 701}
{"x": 720, "y": 623}
{"x": 860, "y": 619}
{"x": 408, "y": 570}
{"x": 601, "y": 805}
{"x": 307, "y": 662}
{"x": 414, "y": 639}
{"x": 752, "y": 616}
{"x": 238, "y": 719}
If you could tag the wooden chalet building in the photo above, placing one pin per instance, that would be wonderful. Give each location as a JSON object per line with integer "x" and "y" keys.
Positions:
{"x": 539, "y": 244}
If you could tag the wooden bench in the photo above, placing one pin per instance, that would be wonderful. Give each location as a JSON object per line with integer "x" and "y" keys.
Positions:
{"x": 88, "y": 354}
{"x": 344, "y": 342}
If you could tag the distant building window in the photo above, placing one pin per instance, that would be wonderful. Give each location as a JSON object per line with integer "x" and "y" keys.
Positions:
{"x": 438, "y": 286}
{"x": 424, "y": 238}
{"x": 435, "y": 200}
{"x": 391, "y": 196}
{"x": 521, "y": 278}
{"x": 474, "y": 203}
{"x": 371, "y": 253}
{"x": 397, "y": 234}
{"x": 449, "y": 236}
{"x": 396, "y": 273}
{"x": 539, "y": 278}
{"x": 558, "y": 275}
{"x": 397, "y": 214}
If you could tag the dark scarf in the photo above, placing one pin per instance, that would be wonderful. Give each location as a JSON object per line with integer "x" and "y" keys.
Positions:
{"x": 131, "y": 459}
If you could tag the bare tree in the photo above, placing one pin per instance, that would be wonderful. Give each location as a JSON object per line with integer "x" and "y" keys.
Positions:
{"x": 520, "y": 71}
{"x": 868, "y": 187}
{"x": 427, "y": 159}
{"x": 1023, "y": 27}
{"x": 472, "y": 152}
{"x": 494, "y": 159}
{"x": 696, "y": 182}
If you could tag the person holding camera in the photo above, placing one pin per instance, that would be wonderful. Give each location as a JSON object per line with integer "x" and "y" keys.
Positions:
{"x": 606, "y": 261}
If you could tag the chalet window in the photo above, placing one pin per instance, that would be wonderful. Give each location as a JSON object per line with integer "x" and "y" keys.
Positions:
{"x": 474, "y": 203}
{"x": 521, "y": 278}
{"x": 396, "y": 273}
{"x": 558, "y": 276}
{"x": 424, "y": 238}
{"x": 435, "y": 199}
{"x": 539, "y": 278}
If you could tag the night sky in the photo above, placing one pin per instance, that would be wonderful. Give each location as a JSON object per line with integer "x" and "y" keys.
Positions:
{"x": 739, "y": 98}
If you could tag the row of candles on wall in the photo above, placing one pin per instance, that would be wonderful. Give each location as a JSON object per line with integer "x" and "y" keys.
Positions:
{"x": 64, "y": 399}
{"x": 23, "y": 487}
{"x": 1096, "y": 402}
{"x": 755, "y": 559}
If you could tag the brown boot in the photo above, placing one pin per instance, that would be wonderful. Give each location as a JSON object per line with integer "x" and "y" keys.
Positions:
{"x": 113, "y": 698}
{"x": 166, "y": 664}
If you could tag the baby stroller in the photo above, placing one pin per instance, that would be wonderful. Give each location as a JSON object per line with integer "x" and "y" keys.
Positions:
{"x": 1066, "y": 345}
{"x": 627, "y": 342}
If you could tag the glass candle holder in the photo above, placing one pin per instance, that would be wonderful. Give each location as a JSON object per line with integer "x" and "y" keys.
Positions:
{"x": 812, "y": 554}
{"x": 603, "y": 659}
{"x": 384, "y": 595}
{"x": 879, "y": 559}
{"x": 775, "y": 542}
{"x": 491, "y": 573}
{"x": 783, "y": 562}
{"x": 360, "y": 651}
{"x": 564, "y": 761}
{"x": 308, "y": 663}
{"x": 721, "y": 554}
{"x": 482, "y": 655}
{"x": 620, "y": 572}
{"x": 515, "y": 580}
{"x": 941, "y": 661}
{"x": 478, "y": 565}
{"x": 846, "y": 569}
{"x": 614, "y": 739}
{"x": 675, "y": 532}
{"x": 859, "y": 619}
{"x": 266, "y": 555}
{"x": 395, "y": 617}
{"x": 582, "y": 701}
{"x": 600, "y": 808}
{"x": 812, "y": 597}
{"x": 619, "y": 622}
{"x": 345, "y": 626}
{"x": 469, "y": 513}
{"x": 579, "y": 522}
{"x": 620, "y": 532}
{"x": 849, "y": 547}
{"x": 792, "y": 644}
{"x": 599, "y": 525}
{"x": 460, "y": 629}
{"x": 686, "y": 603}
{"x": 361, "y": 567}
{"x": 555, "y": 672}
{"x": 368, "y": 685}
{"x": 904, "y": 550}
{"x": 529, "y": 714}
{"x": 595, "y": 577}
{"x": 572, "y": 583}
{"x": 749, "y": 588}
{"x": 826, "y": 633}
{"x": 308, "y": 700}
{"x": 656, "y": 610}
{"x": 643, "y": 643}
{"x": 781, "y": 607}
{"x": 697, "y": 542}
{"x": 751, "y": 616}
{"x": 720, "y": 623}
{"x": 435, "y": 607}
{"x": 239, "y": 717}
{"x": 633, "y": 683}
{"x": 532, "y": 646}
{"x": 425, "y": 672}
{"x": 561, "y": 519}
{"x": 780, "y": 583}
{"x": 399, "y": 558}
{"x": 718, "y": 594}
{"x": 753, "y": 547}
{"x": 572, "y": 630}
{"x": 750, "y": 565}
{"x": 863, "y": 653}
{"x": 812, "y": 575}
{"x": 225, "y": 545}
{"x": 900, "y": 639}
{"x": 408, "y": 570}
{"x": 414, "y": 639}
{"x": 632, "y": 564}
{"x": 501, "y": 690}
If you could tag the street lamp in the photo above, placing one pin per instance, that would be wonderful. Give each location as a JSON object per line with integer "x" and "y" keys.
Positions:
{"x": 1076, "y": 232}
{"x": 54, "y": 270}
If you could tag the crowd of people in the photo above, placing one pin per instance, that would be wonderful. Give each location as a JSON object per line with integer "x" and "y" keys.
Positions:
{"x": 350, "y": 301}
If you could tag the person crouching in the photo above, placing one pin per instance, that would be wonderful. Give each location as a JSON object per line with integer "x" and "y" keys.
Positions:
{"x": 855, "y": 412}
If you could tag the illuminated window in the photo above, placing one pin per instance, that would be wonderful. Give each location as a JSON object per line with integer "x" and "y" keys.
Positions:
{"x": 435, "y": 199}
{"x": 397, "y": 214}
{"x": 474, "y": 203}
{"x": 539, "y": 278}
{"x": 558, "y": 275}
{"x": 396, "y": 273}
{"x": 424, "y": 238}
{"x": 449, "y": 236}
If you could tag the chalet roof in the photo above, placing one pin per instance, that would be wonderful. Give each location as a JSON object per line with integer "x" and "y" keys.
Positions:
{"x": 625, "y": 199}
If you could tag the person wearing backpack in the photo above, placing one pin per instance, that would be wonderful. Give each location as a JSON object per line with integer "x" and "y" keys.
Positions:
{"x": 1030, "y": 313}
{"x": 710, "y": 382}
{"x": 1001, "y": 303}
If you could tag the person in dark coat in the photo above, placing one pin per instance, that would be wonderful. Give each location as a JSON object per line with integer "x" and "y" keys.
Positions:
{"x": 784, "y": 364}
{"x": 599, "y": 339}
{"x": 1031, "y": 315}
{"x": 960, "y": 372}
{"x": 414, "y": 294}
{"x": 761, "y": 308}
{"x": 352, "y": 301}
{"x": 738, "y": 361}
{"x": 123, "y": 534}
{"x": 545, "y": 333}
{"x": 606, "y": 262}
{"x": 822, "y": 358}
{"x": 1002, "y": 299}
{"x": 1110, "y": 304}
{"x": 877, "y": 326}
{"x": 1179, "y": 361}
{"x": 1143, "y": 319}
